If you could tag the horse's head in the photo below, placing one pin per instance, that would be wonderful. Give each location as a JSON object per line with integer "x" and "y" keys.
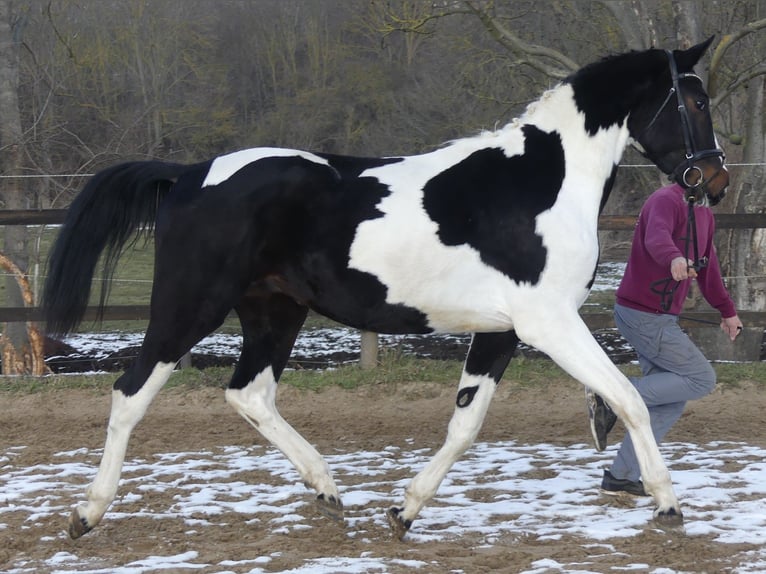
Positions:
{"x": 674, "y": 127}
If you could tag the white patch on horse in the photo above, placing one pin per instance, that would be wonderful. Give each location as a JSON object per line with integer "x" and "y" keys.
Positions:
{"x": 225, "y": 166}
{"x": 570, "y": 228}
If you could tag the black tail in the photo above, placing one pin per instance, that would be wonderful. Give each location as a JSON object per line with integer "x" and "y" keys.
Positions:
{"x": 116, "y": 205}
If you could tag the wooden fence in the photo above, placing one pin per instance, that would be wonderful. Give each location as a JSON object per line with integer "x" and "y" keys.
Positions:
{"x": 605, "y": 223}
{"x": 594, "y": 321}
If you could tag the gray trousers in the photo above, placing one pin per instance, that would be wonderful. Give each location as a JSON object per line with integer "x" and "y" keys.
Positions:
{"x": 674, "y": 371}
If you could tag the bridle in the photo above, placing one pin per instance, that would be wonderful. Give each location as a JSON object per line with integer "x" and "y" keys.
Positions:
{"x": 681, "y": 174}
{"x": 687, "y": 167}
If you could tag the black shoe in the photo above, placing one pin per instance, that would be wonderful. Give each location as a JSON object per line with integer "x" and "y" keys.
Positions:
{"x": 602, "y": 418}
{"x": 611, "y": 485}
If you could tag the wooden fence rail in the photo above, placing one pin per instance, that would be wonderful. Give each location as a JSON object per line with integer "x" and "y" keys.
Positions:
{"x": 605, "y": 222}
{"x": 722, "y": 221}
{"x": 594, "y": 321}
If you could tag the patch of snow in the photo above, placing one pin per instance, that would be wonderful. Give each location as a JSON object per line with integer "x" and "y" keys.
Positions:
{"x": 727, "y": 505}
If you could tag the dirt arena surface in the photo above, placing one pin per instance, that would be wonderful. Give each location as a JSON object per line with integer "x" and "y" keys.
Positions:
{"x": 407, "y": 416}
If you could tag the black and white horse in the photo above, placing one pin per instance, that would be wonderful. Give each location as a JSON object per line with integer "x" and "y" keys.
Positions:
{"x": 493, "y": 234}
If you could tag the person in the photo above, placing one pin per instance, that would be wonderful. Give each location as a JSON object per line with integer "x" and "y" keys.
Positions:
{"x": 650, "y": 297}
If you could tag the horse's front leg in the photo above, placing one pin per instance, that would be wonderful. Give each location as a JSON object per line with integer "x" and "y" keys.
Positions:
{"x": 572, "y": 346}
{"x": 487, "y": 359}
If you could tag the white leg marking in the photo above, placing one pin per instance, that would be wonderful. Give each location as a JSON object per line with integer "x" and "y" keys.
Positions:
{"x": 463, "y": 427}
{"x": 257, "y": 404}
{"x": 579, "y": 354}
{"x": 125, "y": 415}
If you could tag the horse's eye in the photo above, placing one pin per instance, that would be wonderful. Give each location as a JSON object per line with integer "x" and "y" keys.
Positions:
{"x": 701, "y": 104}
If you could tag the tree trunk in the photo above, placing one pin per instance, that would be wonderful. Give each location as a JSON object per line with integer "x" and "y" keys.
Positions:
{"x": 15, "y": 341}
{"x": 747, "y": 247}
{"x": 635, "y": 24}
{"x": 687, "y": 23}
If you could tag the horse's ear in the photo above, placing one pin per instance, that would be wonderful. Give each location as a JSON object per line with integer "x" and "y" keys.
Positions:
{"x": 687, "y": 59}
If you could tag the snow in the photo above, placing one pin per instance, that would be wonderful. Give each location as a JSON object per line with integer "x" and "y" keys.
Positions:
{"x": 722, "y": 486}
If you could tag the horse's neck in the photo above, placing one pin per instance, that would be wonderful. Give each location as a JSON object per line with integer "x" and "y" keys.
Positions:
{"x": 590, "y": 160}
{"x": 557, "y": 111}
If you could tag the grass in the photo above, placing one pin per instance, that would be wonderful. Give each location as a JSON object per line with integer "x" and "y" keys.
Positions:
{"x": 133, "y": 278}
{"x": 392, "y": 370}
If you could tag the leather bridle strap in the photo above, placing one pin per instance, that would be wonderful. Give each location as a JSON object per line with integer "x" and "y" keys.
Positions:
{"x": 685, "y": 168}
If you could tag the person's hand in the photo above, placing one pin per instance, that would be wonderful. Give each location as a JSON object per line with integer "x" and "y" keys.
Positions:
{"x": 681, "y": 268}
{"x": 732, "y": 326}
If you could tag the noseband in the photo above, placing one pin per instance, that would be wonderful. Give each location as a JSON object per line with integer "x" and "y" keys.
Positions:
{"x": 682, "y": 172}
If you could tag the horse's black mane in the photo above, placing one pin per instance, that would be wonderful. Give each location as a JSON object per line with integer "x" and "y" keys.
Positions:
{"x": 607, "y": 89}
{"x": 632, "y": 62}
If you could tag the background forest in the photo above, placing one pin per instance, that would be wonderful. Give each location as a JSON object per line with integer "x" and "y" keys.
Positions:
{"x": 88, "y": 83}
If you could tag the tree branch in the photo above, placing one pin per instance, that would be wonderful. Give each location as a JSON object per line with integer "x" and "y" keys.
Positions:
{"x": 413, "y": 22}
{"x": 531, "y": 54}
{"x": 727, "y": 41}
{"x": 743, "y": 78}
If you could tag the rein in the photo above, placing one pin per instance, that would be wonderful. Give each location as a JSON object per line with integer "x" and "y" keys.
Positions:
{"x": 666, "y": 287}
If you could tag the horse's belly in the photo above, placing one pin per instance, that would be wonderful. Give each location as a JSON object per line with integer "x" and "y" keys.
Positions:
{"x": 476, "y": 318}
{"x": 472, "y": 297}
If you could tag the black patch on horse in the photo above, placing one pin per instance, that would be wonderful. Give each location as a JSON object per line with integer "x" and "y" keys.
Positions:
{"x": 465, "y": 396}
{"x": 490, "y": 201}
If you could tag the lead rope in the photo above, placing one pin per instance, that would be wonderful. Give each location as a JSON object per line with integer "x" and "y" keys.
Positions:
{"x": 666, "y": 287}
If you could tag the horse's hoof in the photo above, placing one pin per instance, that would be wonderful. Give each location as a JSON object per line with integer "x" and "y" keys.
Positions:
{"x": 399, "y": 526}
{"x": 331, "y": 507}
{"x": 78, "y": 525}
{"x": 670, "y": 518}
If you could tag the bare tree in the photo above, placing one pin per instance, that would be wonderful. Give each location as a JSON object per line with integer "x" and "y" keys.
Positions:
{"x": 738, "y": 77}
{"x": 15, "y": 342}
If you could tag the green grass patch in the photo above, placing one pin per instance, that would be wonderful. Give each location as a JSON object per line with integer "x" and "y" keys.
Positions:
{"x": 393, "y": 369}
{"x": 28, "y": 384}
{"x": 736, "y": 375}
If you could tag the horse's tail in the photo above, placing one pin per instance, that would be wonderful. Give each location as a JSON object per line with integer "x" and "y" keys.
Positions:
{"x": 117, "y": 204}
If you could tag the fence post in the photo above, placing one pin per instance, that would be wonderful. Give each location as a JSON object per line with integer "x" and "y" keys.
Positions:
{"x": 368, "y": 356}
{"x": 185, "y": 361}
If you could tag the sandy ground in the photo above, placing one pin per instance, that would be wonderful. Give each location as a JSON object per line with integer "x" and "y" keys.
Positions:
{"x": 406, "y": 414}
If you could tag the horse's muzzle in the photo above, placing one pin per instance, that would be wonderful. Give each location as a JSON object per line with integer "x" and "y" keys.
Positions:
{"x": 707, "y": 176}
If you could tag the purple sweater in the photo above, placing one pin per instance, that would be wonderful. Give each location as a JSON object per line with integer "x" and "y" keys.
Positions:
{"x": 658, "y": 239}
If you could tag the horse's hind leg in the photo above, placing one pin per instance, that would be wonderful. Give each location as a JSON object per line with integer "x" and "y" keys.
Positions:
{"x": 270, "y": 326}
{"x": 169, "y": 336}
{"x": 127, "y": 411}
{"x": 487, "y": 359}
